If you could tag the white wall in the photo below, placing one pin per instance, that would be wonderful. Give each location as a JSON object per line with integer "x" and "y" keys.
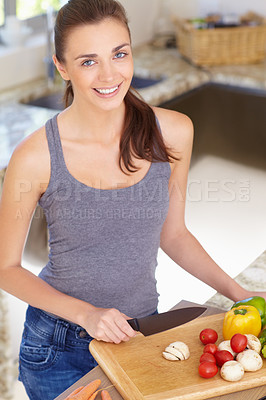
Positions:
{"x": 183, "y": 9}
{"x": 199, "y": 8}
{"x": 242, "y": 6}
{"x": 141, "y": 15}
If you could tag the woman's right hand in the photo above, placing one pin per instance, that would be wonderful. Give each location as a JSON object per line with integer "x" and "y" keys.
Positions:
{"x": 108, "y": 325}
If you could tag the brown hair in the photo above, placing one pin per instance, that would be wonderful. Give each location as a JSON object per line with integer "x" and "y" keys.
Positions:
{"x": 141, "y": 136}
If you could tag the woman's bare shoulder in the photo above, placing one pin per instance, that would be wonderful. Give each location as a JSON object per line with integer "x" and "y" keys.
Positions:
{"x": 177, "y": 128}
{"x": 31, "y": 159}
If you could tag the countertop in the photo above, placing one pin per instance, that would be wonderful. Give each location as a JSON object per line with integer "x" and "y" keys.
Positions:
{"x": 179, "y": 76}
{"x": 252, "y": 278}
{"x": 17, "y": 121}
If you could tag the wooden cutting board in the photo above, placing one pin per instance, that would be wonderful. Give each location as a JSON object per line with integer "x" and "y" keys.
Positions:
{"x": 139, "y": 371}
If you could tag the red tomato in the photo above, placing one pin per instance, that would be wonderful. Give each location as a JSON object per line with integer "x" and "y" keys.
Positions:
{"x": 207, "y": 357}
{"x": 238, "y": 342}
{"x": 208, "y": 336}
{"x": 222, "y": 356}
{"x": 208, "y": 369}
{"x": 210, "y": 348}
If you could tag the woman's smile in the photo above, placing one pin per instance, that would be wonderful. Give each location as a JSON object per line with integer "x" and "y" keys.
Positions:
{"x": 106, "y": 92}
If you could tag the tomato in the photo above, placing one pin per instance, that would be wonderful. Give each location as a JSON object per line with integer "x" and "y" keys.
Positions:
{"x": 238, "y": 342}
{"x": 207, "y": 357}
{"x": 208, "y": 336}
{"x": 210, "y": 348}
{"x": 208, "y": 369}
{"x": 222, "y": 356}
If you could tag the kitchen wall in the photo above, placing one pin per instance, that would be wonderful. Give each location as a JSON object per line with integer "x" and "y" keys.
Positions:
{"x": 141, "y": 14}
{"x": 198, "y": 8}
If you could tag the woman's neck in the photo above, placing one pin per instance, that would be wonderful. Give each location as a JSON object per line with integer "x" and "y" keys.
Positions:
{"x": 95, "y": 124}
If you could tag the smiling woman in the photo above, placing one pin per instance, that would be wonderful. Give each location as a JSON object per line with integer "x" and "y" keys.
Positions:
{"x": 110, "y": 174}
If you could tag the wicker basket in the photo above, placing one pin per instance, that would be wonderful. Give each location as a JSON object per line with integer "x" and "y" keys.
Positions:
{"x": 238, "y": 45}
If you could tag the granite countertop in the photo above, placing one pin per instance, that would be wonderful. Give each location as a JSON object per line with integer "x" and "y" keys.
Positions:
{"x": 17, "y": 121}
{"x": 252, "y": 278}
{"x": 181, "y": 76}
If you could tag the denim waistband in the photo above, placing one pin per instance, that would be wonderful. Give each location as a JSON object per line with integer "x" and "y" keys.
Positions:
{"x": 55, "y": 330}
{"x": 45, "y": 328}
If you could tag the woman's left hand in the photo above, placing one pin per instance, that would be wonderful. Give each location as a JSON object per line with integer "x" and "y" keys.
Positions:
{"x": 85, "y": 392}
{"x": 252, "y": 293}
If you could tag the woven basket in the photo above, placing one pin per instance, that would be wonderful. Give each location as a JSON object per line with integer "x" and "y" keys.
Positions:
{"x": 238, "y": 45}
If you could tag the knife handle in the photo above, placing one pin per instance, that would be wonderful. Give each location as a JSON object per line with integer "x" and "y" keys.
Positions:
{"x": 134, "y": 323}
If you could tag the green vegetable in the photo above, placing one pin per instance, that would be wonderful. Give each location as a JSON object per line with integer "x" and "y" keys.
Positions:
{"x": 262, "y": 337}
{"x": 264, "y": 351}
{"x": 255, "y": 301}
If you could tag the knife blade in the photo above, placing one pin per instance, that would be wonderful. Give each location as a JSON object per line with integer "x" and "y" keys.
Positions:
{"x": 164, "y": 321}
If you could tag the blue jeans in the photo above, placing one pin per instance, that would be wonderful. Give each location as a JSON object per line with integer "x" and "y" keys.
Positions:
{"x": 54, "y": 354}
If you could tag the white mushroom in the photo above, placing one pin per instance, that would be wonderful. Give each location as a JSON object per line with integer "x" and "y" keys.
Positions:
{"x": 232, "y": 371}
{"x": 225, "y": 345}
{"x": 253, "y": 343}
{"x": 176, "y": 351}
{"x": 250, "y": 360}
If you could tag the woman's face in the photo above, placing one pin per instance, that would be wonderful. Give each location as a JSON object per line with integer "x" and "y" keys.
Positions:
{"x": 99, "y": 63}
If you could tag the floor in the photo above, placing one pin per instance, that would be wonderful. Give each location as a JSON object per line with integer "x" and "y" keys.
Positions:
{"x": 226, "y": 212}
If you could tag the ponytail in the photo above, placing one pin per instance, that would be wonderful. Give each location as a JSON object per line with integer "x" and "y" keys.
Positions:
{"x": 68, "y": 95}
{"x": 141, "y": 136}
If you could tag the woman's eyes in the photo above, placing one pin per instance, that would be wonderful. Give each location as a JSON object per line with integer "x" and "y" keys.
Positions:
{"x": 90, "y": 63}
{"x": 121, "y": 54}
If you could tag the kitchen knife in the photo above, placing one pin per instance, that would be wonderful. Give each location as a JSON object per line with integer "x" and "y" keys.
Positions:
{"x": 167, "y": 320}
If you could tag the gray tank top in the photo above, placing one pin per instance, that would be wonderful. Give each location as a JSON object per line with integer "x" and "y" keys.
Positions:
{"x": 104, "y": 243}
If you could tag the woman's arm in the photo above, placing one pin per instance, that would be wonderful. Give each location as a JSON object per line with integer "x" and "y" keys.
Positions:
{"x": 176, "y": 241}
{"x": 26, "y": 176}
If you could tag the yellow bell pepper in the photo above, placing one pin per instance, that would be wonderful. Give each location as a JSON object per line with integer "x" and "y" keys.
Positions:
{"x": 241, "y": 319}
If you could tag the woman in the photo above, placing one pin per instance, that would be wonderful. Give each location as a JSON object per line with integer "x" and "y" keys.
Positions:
{"x": 110, "y": 173}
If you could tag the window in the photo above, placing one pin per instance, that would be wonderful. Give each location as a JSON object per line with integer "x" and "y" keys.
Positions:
{"x": 31, "y": 8}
